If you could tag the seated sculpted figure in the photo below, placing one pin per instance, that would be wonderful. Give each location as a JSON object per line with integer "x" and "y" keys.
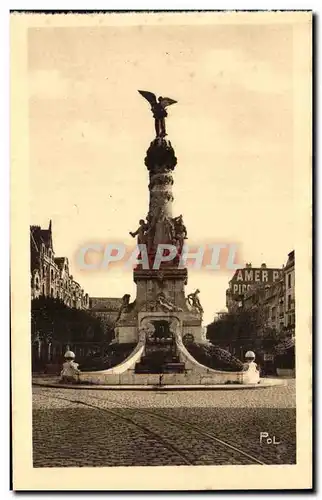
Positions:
{"x": 70, "y": 372}
{"x": 146, "y": 331}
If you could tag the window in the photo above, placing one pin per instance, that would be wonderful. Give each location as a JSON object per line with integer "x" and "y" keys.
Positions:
{"x": 289, "y": 302}
{"x": 289, "y": 284}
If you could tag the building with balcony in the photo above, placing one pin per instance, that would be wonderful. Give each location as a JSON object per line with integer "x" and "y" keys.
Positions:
{"x": 275, "y": 301}
{"x": 268, "y": 301}
{"x": 247, "y": 279}
{"x": 289, "y": 296}
{"x": 50, "y": 275}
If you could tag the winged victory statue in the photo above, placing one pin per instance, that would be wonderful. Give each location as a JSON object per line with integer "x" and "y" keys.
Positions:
{"x": 158, "y": 109}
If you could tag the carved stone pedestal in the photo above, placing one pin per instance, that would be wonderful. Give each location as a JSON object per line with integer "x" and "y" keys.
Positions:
{"x": 161, "y": 315}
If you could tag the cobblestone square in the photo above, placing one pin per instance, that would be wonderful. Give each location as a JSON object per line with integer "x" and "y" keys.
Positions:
{"x": 97, "y": 428}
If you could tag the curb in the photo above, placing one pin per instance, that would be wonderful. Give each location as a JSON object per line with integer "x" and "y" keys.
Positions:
{"x": 219, "y": 387}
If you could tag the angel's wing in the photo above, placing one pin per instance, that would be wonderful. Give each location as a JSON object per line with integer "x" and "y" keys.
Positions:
{"x": 148, "y": 96}
{"x": 166, "y": 101}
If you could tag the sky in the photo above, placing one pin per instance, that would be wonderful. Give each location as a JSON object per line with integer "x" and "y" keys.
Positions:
{"x": 232, "y": 131}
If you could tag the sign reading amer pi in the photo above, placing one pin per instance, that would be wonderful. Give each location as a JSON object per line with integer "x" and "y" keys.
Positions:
{"x": 244, "y": 279}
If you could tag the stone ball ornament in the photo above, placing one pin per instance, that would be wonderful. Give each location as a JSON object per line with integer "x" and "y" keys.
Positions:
{"x": 69, "y": 355}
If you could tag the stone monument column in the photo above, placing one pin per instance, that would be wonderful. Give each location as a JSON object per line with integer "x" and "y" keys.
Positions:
{"x": 160, "y": 162}
{"x": 160, "y": 290}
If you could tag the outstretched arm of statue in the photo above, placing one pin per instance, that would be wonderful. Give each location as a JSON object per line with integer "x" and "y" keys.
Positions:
{"x": 134, "y": 234}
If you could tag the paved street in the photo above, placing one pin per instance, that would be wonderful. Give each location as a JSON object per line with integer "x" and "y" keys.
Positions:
{"x": 75, "y": 428}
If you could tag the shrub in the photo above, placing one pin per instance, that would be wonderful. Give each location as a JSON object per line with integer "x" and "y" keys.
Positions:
{"x": 214, "y": 357}
{"x": 114, "y": 355}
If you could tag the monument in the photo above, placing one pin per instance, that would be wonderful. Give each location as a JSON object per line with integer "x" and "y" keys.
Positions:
{"x": 161, "y": 317}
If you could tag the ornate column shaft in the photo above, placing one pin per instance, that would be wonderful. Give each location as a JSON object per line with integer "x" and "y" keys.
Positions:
{"x": 160, "y": 161}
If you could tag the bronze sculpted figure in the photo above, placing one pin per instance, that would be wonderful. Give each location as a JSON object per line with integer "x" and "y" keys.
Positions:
{"x": 158, "y": 110}
{"x": 194, "y": 301}
{"x": 180, "y": 232}
{"x": 124, "y": 306}
{"x": 141, "y": 232}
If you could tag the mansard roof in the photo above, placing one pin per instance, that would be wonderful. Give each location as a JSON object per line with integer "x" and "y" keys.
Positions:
{"x": 291, "y": 259}
{"x": 41, "y": 236}
{"x": 60, "y": 261}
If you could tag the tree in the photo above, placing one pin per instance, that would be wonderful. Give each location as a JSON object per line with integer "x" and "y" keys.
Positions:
{"x": 233, "y": 327}
{"x": 243, "y": 330}
{"x": 52, "y": 320}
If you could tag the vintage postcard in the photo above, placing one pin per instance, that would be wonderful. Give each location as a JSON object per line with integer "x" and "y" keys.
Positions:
{"x": 161, "y": 250}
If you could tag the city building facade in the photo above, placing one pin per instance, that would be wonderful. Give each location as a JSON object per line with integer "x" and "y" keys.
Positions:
{"x": 275, "y": 301}
{"x": 50, "y": 275}
{"x": 247, "y": 279}
{"x": 268, "y": 301}
{"x": 270, "y": 295}
{"x": 289, "y": 296}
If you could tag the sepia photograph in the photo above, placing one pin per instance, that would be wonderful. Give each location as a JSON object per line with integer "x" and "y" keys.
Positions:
{"x": 161, "y": 249}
